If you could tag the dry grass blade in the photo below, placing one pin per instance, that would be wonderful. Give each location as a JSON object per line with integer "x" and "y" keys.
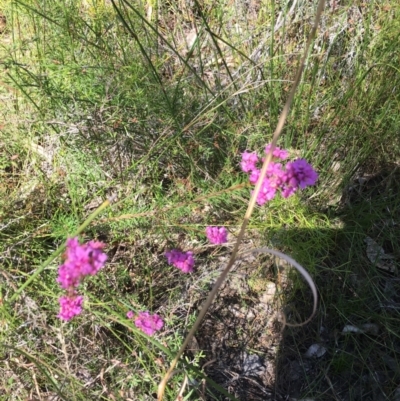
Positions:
{"x": 252, "y": 202}
{"x": 301, "y": 270}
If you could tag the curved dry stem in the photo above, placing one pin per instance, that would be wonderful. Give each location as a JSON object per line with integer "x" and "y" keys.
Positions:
{"x": 300, "y": 269}
{"x": 250, "y": 208}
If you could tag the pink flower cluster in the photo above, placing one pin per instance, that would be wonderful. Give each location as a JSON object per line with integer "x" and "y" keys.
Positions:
{"x": 286, "y": 179}
{"x": 217, "y": 235}
{"x": 80, "y": 261}
{"x": 146, "y": 322}
{"x": 70, "y": 306}
{"x": 182, "y": 260}
{"x": 278, "y": 152}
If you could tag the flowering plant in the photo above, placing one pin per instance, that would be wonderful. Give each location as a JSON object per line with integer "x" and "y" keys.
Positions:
{"x": 286, "y": 179}
{"x": 184, "y": 261}
{"x": 87, "y": 259}
{"x": 146, "y": 322}
{"x": 217, "y": 235}
{"x": 80, "y": 261}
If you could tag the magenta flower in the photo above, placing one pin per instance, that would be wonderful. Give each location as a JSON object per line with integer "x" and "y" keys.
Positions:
{"x": 286, "y": 179}
{"x": 70, "y": 306}
{"x": 68, "y": 275}
{"x": 288, "y": 190}
{"x": 80, "y": 261}
{"x": 278, "y": 153}
{"x": 273, "y": 180}
{"x": 249, "y": 161}
{"x": 130, "y": 315}
{"x": 254, "y": 175}
{"x": 182, "y": 260}
{"x": 217, "y": 235}
{"x": 267, "y": 192}
{"x": 302, "y": 172}
{"x": 97, "y": 257}
{"x": 148, "y": 323}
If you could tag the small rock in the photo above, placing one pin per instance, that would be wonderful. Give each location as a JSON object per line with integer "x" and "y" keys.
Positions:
{"x": 367, "y": 328}
{"x": 351, "y": 329}
{"x": 252, "y": 365}
{"x": 315, "y": 351}
{"x": 269, "y": 294}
